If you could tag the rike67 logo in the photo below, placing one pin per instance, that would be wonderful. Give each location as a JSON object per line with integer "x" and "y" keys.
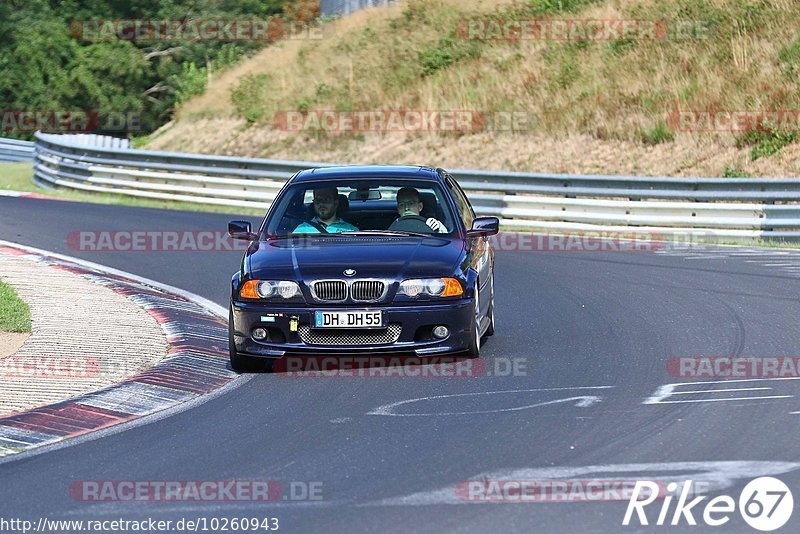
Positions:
{"x": 765, "y": 504}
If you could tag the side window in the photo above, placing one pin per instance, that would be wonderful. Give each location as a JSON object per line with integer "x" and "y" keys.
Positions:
{"x": 462, "y": 204}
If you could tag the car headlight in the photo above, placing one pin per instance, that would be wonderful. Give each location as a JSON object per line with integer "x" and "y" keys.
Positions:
{"x": 431, "y": 287}
{"x": 270, "y": 289}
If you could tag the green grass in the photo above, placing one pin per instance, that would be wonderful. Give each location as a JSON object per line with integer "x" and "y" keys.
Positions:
{"x": 765, "y": 140}
{"x": 14, "y": 314}
{"x": 660, "y": 133}
{"x": 446, "y": 52}
{"x": 18, "y": 177}
{"x": 771, "y": 144}
{"x": 735, "y": 171}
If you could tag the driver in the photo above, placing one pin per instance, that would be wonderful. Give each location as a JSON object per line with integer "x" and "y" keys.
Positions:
{"x": 326, "y": 204}
{"x": 409, "y": 207}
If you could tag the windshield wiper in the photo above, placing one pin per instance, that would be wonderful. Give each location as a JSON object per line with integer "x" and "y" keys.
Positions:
{"x": 387, "y": 232}
{"x": 301, "y": 234}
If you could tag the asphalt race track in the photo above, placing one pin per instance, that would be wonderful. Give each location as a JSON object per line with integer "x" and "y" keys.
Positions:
{"x": 593, "y": 332}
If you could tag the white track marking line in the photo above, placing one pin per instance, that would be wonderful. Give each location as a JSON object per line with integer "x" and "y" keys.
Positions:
{"x": 197, "y": 299}
{"x": 726, "y": 400}
{"x": 707, "y": 257}
{"x": 736, "y": 380}
{"x": 581, "y": 401}
{"x": 667, "y": 390}
{"x": 9, "y": 193}
{"x": 145, "y": 420}
{"x": 717, "y": 391}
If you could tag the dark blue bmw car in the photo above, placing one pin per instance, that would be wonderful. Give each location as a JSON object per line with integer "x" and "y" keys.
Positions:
{"x": 364, "y": 260}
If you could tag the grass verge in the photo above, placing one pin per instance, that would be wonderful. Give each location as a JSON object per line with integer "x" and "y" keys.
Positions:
{"x": 15, "y": 316}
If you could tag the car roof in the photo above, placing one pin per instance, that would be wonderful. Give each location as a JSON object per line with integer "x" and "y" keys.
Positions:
{"x": 411, "y": 172}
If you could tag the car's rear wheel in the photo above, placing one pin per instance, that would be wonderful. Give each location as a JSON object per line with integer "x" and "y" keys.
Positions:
{"x": 239, "y": 363}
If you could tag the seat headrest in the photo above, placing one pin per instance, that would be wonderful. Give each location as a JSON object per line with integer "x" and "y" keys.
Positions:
{"x": 344, "y": 205}
{"x": 429, "y": 205}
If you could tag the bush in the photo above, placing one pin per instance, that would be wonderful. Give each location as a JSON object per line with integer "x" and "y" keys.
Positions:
{"x": 765, "y": 140}
{"x": 446, "y": 52}
{"x": 250, "y": 97}
{"x": 771, "y": 143}
{"x": 191, "y": 81}
{"x": 660, "y": 133}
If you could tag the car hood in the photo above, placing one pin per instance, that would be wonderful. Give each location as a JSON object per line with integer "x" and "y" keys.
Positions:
{"x": 313, "y": 258}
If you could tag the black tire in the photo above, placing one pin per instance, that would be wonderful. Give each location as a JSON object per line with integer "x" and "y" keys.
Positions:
{"x": 474, "y": 345}
{"x": 490, "y": 328}
{"x": 239, "y": 363}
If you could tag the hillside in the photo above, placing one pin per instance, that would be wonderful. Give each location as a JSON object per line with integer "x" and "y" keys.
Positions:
{"x": 591, "y": 105}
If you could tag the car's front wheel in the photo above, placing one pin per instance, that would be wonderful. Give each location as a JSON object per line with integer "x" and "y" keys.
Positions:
{"x": 474, "y": 345}
{"x": 490, "y": 328}
{"x": 239, "y": 363}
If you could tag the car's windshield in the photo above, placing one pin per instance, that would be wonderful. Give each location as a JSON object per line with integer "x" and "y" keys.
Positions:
{"x": 361, "y": 207}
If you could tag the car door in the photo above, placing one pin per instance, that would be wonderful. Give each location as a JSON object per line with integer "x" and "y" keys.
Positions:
{"x": 481, "y": 257}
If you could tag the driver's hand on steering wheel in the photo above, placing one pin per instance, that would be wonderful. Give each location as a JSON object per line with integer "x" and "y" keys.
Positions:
{"x": 436, "y": 225}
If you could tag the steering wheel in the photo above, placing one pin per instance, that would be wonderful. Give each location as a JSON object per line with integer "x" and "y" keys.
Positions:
{"x": 412, "y": 217}
{"x": 411, "y": 223}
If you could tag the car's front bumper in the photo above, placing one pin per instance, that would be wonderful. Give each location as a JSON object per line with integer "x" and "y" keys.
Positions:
{"x": 416, "y": 322}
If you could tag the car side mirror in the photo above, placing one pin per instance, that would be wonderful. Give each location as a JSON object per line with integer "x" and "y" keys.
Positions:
{"x": 241, "y": 230}
{"x": 484, "y": 226}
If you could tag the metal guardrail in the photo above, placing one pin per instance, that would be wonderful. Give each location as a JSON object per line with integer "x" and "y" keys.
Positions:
{"x": 744, "y": 208}
{"x": 14, "y": 150}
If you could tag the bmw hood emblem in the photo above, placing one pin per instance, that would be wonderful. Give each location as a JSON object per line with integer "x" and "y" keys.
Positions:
{"x": 349, "y": 272}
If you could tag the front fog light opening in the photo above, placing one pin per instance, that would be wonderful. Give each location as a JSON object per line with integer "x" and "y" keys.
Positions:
{"x": 441, "y": 332}
{"x": 260, "y": 334}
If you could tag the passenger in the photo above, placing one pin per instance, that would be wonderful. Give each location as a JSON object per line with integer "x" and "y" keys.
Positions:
{"x": 327, "y": 220}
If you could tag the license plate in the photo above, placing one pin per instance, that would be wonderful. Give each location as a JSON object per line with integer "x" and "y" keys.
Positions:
{"x": 348, "y": 319}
